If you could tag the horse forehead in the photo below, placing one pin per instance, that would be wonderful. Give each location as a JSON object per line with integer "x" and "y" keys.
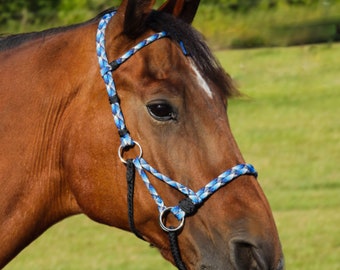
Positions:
{"x": 200, "y": 80}
{"x": 170, "y": 58}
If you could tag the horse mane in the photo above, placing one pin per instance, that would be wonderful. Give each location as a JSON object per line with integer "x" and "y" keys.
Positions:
{"x": 157, "y": 21}
{"x": 11, "y": 41}
{"x": 8, "y": 42}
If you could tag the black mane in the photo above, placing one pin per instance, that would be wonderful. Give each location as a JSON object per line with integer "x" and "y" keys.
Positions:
{"x": 15, "y": 40}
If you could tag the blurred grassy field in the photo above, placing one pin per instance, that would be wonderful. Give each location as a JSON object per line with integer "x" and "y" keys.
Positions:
{"x": 288, "y": 126}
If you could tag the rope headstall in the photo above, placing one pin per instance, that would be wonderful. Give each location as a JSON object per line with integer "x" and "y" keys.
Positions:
{"x": 193, "y": 200}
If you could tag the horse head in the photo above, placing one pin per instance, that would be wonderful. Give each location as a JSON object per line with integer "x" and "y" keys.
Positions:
{"x": 168, "y": 98}
{"x": 173, "y": 95}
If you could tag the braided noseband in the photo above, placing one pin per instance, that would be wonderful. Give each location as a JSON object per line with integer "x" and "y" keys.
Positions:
{"x": 193, "y": 200}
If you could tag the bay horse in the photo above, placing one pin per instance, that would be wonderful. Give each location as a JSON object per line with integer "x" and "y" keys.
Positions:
{"x": 63, "y": 94}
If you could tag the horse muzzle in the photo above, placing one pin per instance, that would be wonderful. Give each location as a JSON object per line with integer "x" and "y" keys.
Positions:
{"x": 242, "y": 255}
{"x": 245, "y": 255}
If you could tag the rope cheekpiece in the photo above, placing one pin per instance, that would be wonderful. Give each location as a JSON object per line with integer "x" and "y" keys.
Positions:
{"x": 193, "y": 200}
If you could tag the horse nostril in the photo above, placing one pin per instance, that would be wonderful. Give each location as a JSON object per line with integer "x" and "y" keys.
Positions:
{"x": 246, "y": 256}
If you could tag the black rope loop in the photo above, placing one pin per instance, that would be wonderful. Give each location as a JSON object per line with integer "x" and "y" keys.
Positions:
{"x": 173, "y": 238}
{"x": 188, "y": 206}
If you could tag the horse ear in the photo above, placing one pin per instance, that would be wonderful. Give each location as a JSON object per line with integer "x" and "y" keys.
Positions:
{"x": 183, "y": 9}
{"x": 134, "y": 14}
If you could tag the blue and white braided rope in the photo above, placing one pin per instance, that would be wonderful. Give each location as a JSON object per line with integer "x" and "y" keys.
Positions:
{"x": 141, "y": 165}
{"x": 196, "y": 197}
{"x": 137, "y": 47}
{"x": 105, "y": 70}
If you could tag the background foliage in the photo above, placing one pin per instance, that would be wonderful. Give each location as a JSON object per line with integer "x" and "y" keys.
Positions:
{"x": 225, "y": 23}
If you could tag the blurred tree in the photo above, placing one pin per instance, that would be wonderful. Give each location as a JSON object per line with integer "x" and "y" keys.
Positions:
{"x": 28, "y": 10}
{"x": 241, "y": 5}
{"x": 24, "y": 15}
{"x": 11, "y": 9}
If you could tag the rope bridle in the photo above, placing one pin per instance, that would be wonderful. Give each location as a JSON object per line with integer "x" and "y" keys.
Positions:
{"x": 193, "y": 200}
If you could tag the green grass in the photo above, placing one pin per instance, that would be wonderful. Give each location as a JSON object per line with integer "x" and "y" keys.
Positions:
{"x": 288, "y": 126}
{"x": 78, "y": 243}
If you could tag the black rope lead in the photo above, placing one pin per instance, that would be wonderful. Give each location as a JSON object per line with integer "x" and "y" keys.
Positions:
{"x": 173, "y": 238}
{"x": 130, "y": 178}
{"x": 173, "y": 235}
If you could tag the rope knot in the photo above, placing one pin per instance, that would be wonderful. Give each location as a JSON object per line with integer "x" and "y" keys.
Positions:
{"x": 188, "y": 206}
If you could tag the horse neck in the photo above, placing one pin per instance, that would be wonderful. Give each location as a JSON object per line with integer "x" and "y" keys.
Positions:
{"x": 40, "y": 80}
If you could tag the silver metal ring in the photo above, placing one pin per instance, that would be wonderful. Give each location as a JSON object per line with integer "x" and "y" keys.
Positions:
{"x": 163, "y": 226}
{"x": 121, "y": 149}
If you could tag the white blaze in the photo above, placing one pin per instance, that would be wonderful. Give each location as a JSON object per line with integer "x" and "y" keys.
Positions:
{"x": 201, "y": 81}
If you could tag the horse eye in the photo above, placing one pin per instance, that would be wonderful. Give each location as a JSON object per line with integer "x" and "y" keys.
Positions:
{"x": 161, "y": 111}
